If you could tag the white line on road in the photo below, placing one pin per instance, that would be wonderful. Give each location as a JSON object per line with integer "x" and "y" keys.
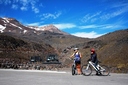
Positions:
{"x": 46, "y": 71}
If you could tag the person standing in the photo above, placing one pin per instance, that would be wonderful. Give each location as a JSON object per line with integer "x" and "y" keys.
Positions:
{"x": 77, "y": 56}
{"x": 93, "y": 58}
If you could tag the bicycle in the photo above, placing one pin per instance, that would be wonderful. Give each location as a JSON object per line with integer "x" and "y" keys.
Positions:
{"x": 101, "y": 69}
{"x": 74, "y": 70}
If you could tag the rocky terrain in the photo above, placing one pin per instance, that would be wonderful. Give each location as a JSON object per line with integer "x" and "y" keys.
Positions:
{"x": 18, "y": 43}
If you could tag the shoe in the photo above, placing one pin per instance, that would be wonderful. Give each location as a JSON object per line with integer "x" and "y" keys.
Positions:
{"x": 97, "y": 73}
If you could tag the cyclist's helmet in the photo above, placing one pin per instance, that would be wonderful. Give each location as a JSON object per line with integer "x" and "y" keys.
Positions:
{"x": 92, "y": 50}
{"x": 76, "y": 49}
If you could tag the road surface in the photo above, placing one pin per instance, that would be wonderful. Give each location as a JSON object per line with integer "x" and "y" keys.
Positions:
{"x": 37, "y": 77}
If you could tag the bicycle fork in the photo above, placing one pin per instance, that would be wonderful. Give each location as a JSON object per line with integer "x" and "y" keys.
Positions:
{"x": 87, "y": 67}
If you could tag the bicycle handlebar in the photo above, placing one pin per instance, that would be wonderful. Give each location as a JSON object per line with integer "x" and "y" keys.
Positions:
{"x": 71, "y": 58}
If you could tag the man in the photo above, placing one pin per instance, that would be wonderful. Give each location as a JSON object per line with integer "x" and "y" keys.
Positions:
{"x": 77, "y": 56}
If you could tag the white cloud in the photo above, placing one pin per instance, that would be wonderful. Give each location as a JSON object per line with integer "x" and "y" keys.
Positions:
{"x": 6, "y": 2}
{"x": 50, "y": 16}
{"x": 23, "y": 8}
{"x": 31, "y": 4}
{"x": 90, "y": 18}
{"x": 87, "y": 35}
{"x": 24, "y": 5}
{"x": 14, "y": 6}
{"x": 112, "y": 11}
{"x": 117, "y": 12}
{"x": 88, "y": 26}
{"x": 104, "y": 26}
{"x": 36, "y": 10}
{"x": 15, "y": 1}
{"x": 112, "y": 26}
{"x": 120, "y": 4}
{"x": 65, "y": 25}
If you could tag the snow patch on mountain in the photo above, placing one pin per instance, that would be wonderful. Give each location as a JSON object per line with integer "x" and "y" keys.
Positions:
{"x": 16, "y": 26}
{"x": 35, "y": 28}
{"x": 2, "y": 28}
{"x": 25, "y": 31}
{"x": 6, "y": 20}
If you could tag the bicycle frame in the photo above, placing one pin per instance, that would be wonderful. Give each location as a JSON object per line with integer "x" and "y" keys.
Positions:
{"x": 92, "y": 64}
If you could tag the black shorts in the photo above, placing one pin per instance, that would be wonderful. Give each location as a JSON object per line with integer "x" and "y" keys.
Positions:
{"x": 77, "y": 62}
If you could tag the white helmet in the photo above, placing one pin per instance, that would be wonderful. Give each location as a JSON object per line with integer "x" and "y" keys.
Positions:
{"x": 76, "y": 49}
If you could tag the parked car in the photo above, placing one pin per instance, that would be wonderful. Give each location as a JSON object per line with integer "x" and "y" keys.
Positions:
{"x": 52, "y": 58}
{"x": 35, "y": 59}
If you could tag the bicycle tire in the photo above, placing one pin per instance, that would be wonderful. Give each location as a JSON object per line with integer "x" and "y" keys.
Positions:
{"x": 73, "y": 70}
{"x": 85, "y": 71}
{"x": 105, "y": 71}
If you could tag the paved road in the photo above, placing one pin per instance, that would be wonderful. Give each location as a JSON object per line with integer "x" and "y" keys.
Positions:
{"x": 35, "y": 77}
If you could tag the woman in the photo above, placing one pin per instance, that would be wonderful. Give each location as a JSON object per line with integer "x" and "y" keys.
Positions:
{"x": 77, "y": 56}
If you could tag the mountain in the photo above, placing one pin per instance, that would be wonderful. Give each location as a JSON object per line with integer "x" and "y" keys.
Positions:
{"x": 50, "y": 28}
{"x": 13, "y": 26}
{"x": 48, "y": 34}
{"x": 111, "y": 48}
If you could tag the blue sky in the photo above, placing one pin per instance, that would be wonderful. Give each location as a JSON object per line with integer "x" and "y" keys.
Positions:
{"x": 83, "y": 18}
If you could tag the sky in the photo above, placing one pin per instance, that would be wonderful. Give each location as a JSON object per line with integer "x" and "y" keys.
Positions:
{"x": 82, "y": 18}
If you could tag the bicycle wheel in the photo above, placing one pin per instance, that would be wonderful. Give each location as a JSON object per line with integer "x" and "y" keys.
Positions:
{"x": 104, "y": 70}
{"x": 86, "y": 70}
{"x": 73, "y": 70}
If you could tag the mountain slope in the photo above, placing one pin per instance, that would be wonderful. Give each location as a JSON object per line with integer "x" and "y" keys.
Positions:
{"x": 16, "y": 49}
{"x": 111, "y": 48}
{"x": 114, "y": 52}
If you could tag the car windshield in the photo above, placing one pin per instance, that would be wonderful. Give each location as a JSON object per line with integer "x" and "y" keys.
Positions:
{"x": 51, "y": 56}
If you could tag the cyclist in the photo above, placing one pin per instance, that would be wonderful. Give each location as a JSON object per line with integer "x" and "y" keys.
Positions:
{"x": 77, "y": 57}
{"x": 94, "y": 59}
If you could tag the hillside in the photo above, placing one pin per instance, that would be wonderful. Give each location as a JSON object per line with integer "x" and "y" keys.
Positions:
{"x": 20, "y": 50}
{"x": 19, "y": 42}
{"x": 114, "y": 52}
{"x": 111, "y": 50}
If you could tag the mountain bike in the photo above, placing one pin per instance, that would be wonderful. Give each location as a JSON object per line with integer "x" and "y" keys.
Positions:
{"x": 101, "y": 69}
{"x": 74, "y": 70}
